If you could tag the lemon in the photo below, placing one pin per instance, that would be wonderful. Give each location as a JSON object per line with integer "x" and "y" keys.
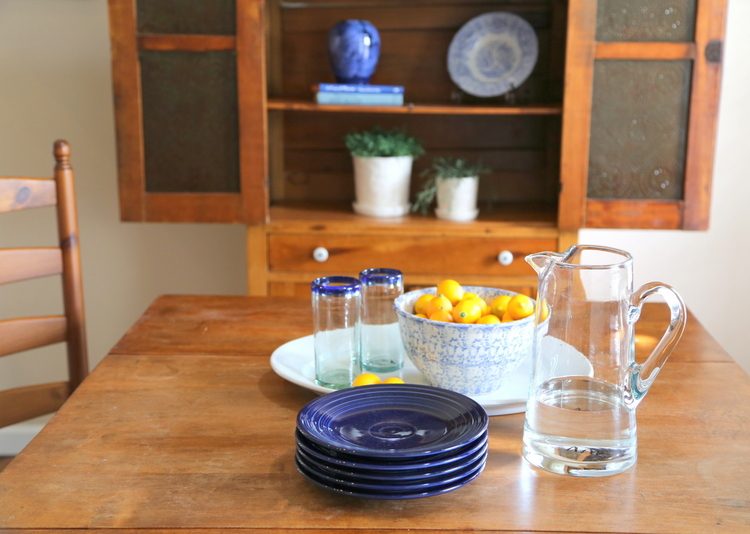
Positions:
{"x": 499, "y": 305}
{"x": 419, "y": 306}
{"x": 452, "y": 290}
{"x": 507, "y": 318}
{"x": 366, "y": 379}
{"x": 442, "y": 315}
{"x": 467, "y": 311}
{"x": 420, "y": 315}
{"x": 439, "y": 303}
{"x": 520, "y": 306}
{"x": 393, "y": 380}
{"x": 488, "y": 319}
{"x": 545, "y": 311}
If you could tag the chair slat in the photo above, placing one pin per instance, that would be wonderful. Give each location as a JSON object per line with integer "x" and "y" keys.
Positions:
{"x": 27, "y": 333}
{"x": 26, "y": 263}
{"x": 20, "y": 404}
{"x": 24, "y": 193}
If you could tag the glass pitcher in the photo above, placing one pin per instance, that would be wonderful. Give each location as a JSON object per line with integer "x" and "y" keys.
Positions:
{"x": 584, "y": 425}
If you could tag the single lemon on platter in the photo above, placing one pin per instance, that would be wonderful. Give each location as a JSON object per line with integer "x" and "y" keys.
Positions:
{"x": 439, "y": 303}
{"x": 520, "y": 307}
{"x": 393, "y": 380}
{"x": 467, "y": 311}
{"x": 499, "y": 305}
{"x": 366, "y": 379}
{"x": 488, "y": 319}
{"x": 421, "y": 303}
{"x": 452, "y": 290}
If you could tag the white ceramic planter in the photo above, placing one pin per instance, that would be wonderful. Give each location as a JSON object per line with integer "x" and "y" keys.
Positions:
{"x": 381, "y": 186}
{"x": 457, "y": 198}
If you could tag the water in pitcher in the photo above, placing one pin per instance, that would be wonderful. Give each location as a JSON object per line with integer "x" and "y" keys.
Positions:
{"x": 579, "y": 423}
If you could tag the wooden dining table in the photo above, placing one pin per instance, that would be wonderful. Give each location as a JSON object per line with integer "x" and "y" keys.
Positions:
{"x": 184, "y": 425}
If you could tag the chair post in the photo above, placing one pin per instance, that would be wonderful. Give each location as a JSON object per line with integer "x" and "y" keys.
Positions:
{"x": 67, "y": 227}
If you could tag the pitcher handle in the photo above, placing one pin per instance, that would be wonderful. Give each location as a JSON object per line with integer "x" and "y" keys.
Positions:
{"x": 636, "y": 386}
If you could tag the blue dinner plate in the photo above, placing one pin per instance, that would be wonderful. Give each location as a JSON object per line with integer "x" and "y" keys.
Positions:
{"x": 392, "y": 421}
{"x": 385, "y": 464}
{"x": 492, "y": 54}
{"x": 391, "y": 476}
{"x": 389, "y": 495}
{"x": 392, "y": 487}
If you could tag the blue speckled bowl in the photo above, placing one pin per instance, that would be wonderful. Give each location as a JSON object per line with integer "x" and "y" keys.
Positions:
{"x": 468, "y": 358}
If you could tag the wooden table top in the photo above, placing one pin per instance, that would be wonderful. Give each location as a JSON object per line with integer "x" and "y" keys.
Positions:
{"x": 185, "y": 425}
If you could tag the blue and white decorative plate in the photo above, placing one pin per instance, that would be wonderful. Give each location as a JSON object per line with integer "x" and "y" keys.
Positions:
{"x": 492, "y": 54}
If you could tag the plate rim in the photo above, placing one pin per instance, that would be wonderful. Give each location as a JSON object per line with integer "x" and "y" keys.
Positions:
{"x": 380, "y": 395}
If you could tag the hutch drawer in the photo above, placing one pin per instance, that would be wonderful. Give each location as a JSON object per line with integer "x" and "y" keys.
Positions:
{"x": 439, "y": 255}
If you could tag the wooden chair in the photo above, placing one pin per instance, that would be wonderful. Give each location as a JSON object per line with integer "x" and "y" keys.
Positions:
{"x": 19, "y": 334}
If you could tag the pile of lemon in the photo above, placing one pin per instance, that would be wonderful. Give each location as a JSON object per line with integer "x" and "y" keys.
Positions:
{"x": 370, "y": 379}
{"x": 452, "y": 303}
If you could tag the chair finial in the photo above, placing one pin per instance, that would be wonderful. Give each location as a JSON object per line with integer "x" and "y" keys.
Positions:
{"x": 62, "y": 154}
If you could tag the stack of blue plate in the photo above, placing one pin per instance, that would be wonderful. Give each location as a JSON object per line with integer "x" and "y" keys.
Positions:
{"x": 400, "y": 441}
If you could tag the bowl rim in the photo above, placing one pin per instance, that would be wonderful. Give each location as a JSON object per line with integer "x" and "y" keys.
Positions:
{"x": 406, "y": 315}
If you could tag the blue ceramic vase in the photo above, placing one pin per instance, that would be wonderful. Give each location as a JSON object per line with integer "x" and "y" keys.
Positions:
{"x": 354, "y": 49}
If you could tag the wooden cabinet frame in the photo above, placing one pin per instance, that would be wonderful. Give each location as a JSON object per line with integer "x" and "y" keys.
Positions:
{"x": 690, "y": 213}
{"x": 258, "y": 34}
{"x": 137, "y": 204}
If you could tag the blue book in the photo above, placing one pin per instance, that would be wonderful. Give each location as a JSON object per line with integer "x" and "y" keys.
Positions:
{"x": 360, "y": 88}
{"x": 360, "y": 99}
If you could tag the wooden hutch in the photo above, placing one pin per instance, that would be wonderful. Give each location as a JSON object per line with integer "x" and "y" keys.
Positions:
{"x": 215, "y": 123}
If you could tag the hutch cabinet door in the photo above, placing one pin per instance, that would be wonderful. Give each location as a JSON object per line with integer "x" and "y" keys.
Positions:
{"x": 640, "y": 111}
{"x": 189, "y": 89}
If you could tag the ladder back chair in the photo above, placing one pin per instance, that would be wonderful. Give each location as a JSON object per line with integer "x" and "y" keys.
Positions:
{"x": 16, "y": 264}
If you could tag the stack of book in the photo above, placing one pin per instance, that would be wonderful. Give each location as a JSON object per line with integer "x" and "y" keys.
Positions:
{"x": 359, "y": 95}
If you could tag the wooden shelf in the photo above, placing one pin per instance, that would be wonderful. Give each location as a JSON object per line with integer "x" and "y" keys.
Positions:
{"x": 283, "y": 104}
{"x": 507, "y": 221}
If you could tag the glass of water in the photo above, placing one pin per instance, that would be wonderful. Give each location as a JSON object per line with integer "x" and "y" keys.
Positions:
{"x": 336, "y": 303}
{"x": 382, "y": 351}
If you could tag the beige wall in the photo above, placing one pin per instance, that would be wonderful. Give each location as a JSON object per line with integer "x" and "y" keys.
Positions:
{"x": 55, "y": 67}
{"x": 54, "y": 60}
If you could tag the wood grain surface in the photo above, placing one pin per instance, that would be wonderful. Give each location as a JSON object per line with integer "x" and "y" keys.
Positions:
{"x": 184, "y": 425}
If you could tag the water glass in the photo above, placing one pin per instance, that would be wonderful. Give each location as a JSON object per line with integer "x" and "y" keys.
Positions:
{"x": 381, "y": 349}
{"x": 336, "y": 302}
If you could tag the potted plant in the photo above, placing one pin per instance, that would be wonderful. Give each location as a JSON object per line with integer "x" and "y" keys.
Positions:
{"x": 455, "y": 182}
{"x": 382, "y": 170}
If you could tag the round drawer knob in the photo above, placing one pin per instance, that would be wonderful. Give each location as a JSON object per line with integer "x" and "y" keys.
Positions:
{"x": 320, "y": 254}
{"x": 505, "y": 258}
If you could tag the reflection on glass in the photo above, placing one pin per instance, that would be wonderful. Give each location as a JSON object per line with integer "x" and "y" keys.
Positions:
{"x": 639, "y": 129}
{"x": 186, "y": 16}
{"x": 190, "y": 121}
{"x": 645, "y": 20}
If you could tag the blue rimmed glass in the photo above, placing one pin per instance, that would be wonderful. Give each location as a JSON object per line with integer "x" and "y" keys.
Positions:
{"x": 336, "y": 302}
{"x": 381, "y": 349}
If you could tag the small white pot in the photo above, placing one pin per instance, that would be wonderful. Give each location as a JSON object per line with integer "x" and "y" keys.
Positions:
{"x": 457, "y": 198}
{"x": 381, "y": 185}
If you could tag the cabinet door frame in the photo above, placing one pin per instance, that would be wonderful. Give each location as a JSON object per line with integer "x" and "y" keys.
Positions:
{"x": 690, "y": 213}
{"x": 136, "y": 203}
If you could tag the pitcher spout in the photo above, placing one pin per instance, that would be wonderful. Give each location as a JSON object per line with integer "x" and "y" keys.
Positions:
{"x": 540, "y": 260}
